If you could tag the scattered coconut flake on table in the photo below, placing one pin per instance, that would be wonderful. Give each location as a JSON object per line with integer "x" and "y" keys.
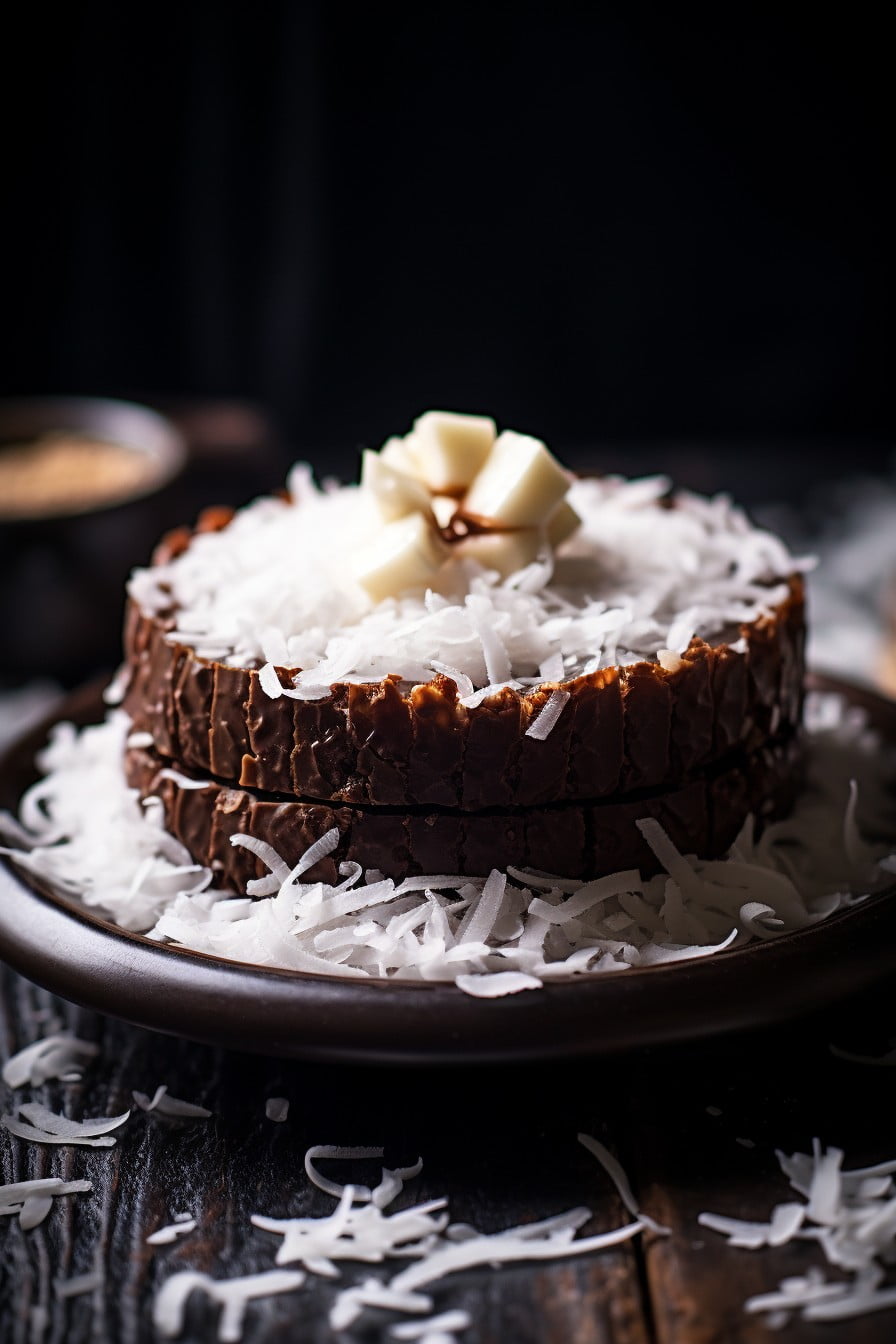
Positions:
{"x": 446, "y": 1323}
{"x": 33, "y": 1200}
{"x": 613, "y": 1167}
{"x": 165, "y": 1104}
{"x": 234, "y": 1295}
{"x": 361, "y": 1229}
{"x": 164, "y": 1236}
{"x": 270, "y": 590}
{"x": 51, "y": 1057}
{"x": 34, "y": 1211}
{"x": 849, "y": 1214}
{"x": 495, "y": 934}
{"x": 43, "y": 1118}
{"x": 44, "y": 1126}
{"x": 276, "y": 1109}
{"x": 79, "y": 1284}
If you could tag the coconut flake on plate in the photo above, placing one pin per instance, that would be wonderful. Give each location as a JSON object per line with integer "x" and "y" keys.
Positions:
{"x": 489, "y": 934}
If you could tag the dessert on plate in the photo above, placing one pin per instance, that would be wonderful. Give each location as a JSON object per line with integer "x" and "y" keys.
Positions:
{"x": 470, "y": 660}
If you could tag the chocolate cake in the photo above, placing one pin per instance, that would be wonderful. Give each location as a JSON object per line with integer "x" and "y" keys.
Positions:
{"x": 649, "y": 662}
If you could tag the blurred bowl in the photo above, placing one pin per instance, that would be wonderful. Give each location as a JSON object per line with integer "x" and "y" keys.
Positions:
{"x": 70, "y": 535}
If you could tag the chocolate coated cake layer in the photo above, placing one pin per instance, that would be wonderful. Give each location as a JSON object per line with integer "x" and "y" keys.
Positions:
{"x": 390, "y": 743}
{"x": 393, "y": 744}
{"x": 571, "y": 839}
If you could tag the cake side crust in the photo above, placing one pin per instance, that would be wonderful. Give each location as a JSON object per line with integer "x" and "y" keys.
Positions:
{"x": 571, "y": 839}
{"x": 389, "y": 743}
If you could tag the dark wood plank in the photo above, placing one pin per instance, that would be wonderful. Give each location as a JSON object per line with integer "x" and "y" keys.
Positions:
{"x": 501, "y": 1145}
{"x": 499, "y": 1142}
{"x": 777, "y": 1090}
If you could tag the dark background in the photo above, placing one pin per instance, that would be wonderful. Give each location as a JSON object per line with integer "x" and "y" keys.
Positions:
{"x": 603, "y": 224}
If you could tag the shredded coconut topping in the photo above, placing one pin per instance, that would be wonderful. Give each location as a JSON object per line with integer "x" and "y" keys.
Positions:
{"x": 272, "y": 588}
{"x": 492, "y": 935}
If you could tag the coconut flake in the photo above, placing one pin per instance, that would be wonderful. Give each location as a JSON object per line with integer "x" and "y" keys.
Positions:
{"x": 447, "y": 1322}
{"x": 542, "y": 725}
{"x": 181, "y": 780}
{"x": 371, "y": 1293}
{"x": 502, "y": 1249}
{"x": 614, "y": 1170}
{"x": 165, "y": 1104}
{"x": 147, "y": 1103}
{"x": 34, "y": 1211}
{"x": 496, "y": 985}
{"x": 849, "y": 1214}
{"x": 35, "y": 1135}
{"x": 233, "y": 1295}
{"x": 48, "y": 1058}
{"x": 276, "y": 1109}
{"x": 164, "y": 1236}
{"x": 20, "y": 1191}
{"x": 79, "y": 1284}
{"x": 43, "y": 1118}
{"x": 181, "y": 1110}
{"x": 337, "y": 1153}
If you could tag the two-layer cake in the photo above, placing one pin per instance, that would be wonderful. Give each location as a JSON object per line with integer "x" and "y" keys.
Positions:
{"x": 469, "y": 661}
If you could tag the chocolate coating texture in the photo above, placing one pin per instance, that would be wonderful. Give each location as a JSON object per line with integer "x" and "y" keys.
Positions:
{"x": 570, "y": 839}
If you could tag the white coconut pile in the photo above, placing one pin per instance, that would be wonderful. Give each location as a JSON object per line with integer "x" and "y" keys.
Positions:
{"x": 850, "y": 1215}
{"x": 83, "y": 831}
{"x": 275, "y": 588}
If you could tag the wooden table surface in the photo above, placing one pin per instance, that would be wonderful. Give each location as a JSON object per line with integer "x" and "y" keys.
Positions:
{"x": 501, "y": 1144}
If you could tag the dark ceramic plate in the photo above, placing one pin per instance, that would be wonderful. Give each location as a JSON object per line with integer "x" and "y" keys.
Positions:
{"x": 81, "y": 956}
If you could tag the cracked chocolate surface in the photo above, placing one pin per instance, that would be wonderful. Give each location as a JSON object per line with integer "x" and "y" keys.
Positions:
{"x": 570, "y": 839}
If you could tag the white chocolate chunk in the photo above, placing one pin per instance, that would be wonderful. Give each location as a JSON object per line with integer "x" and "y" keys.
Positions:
{"x": 562, "y": 523}
{"x": 444, "y": 507}
{"x": 504, "y": 551}
{"x": 405, "y": 554}
{"x": 451, "y": 449}
{"x": 396, "y": 495}
{"x": 520, "y": 485}
{"x": 401, "y": 455}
